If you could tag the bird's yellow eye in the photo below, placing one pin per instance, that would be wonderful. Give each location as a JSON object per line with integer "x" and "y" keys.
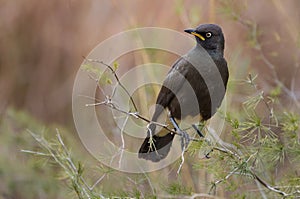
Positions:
{"x": 208, "y": 34}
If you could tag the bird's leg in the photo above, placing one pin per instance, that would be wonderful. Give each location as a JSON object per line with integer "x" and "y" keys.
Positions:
{"x": 207, "y": 155}
{"x": 185, "y": 138}
{"x": 198, "y": 131}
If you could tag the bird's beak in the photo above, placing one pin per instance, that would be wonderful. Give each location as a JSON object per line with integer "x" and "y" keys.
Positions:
{"x": 193, "y": 32}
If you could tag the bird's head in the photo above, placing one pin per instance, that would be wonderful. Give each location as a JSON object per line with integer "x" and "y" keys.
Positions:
{"x": 209, "y": 36}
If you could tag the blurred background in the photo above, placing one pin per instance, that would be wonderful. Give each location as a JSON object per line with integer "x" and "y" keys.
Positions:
{"x": 43, "y": 44}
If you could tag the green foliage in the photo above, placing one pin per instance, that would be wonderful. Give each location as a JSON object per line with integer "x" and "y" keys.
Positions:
{"x": 290, "y": 123}
{"x": 91, "y": 68}
{"x": 115, "y": 65}
{"x": 176, "y": 188}
{"x": 102, "y": 77}
{"x": 57, "y": 152}
{"x": 272, "y": 151}
{"x": 23, "y": 176}
{"x": 195, "y": 147}
{"x": 260, "y": 145}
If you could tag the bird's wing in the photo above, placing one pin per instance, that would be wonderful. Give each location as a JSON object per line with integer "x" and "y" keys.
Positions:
{"x": 171, "y": 85}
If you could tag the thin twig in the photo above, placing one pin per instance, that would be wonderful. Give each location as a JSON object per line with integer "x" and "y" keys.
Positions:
{"x": 182, "y": 161}
{"x": 116, "y": 77}
{"x": 253, "y": 174}
{"x": 97, "y": 182}
{"x": 136, "y": 185}
{"x": 108, "y": 102}
{"x": 262, "y": 94}
{"x": 36, "y": 153}
{"x": 70, "y": 168}
{"x": 234, "y": 171}
{"x": 123, "y": 141}
{"x": 194, "y": 195}
{"x": 150, "y": 183}
{"x": 214, "y": 184}
{"x": 266, "y": 185}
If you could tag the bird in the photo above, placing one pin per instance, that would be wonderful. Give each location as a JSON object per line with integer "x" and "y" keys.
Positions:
{"x": 193, "y": 88}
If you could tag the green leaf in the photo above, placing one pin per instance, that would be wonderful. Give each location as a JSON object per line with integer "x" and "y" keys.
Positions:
{"x": 108, "y": 81}
{"x": 115, "y": 65}
{"x": 252, "y": 102}
{"x": 290, "y": 122}
{"x": 88, "y": 67}
{"x": 275, "y": 92}
{"x": 178, "y": 189}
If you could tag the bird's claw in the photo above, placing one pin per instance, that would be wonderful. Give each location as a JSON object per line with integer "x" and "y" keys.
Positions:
{"x": 185, "y": 140}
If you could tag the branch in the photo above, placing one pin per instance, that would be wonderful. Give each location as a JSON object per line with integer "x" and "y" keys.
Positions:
{"x": 221, "y": 146}
{"x": 193, "y": 196}
{"x": 271, "y": 188}
{"x": 62, "y": 157}
{"x": 116, "y": 77}
{"x": 108, "y": 102}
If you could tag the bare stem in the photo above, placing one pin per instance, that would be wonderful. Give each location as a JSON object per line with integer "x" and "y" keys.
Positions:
{"x": 116, "y": 77}
{"x": 108, "y": 102}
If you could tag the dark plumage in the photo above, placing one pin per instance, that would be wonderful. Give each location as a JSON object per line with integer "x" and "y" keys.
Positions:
{"x": 194, "y": 87}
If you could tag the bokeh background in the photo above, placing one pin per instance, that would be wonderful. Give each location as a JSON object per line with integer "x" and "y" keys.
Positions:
{"x": 43, "y": 44}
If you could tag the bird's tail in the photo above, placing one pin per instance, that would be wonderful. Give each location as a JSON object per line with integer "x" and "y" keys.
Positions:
{"x": 156, "y": 147}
